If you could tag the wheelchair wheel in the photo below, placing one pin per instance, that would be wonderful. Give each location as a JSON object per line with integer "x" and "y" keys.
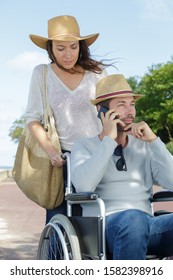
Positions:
{"x": 59, "y": 241}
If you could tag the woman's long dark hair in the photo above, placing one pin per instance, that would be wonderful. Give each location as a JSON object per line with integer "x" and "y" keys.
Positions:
{"x": 84, "y": 59}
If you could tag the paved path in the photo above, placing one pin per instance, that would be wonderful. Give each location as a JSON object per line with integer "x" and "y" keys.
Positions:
{"x": 21, "y": 222}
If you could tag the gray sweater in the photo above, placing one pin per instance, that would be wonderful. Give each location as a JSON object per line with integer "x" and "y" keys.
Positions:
{"x": 93, "y": 169}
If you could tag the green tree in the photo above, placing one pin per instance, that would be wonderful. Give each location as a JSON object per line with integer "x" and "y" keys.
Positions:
{"x": 134, "y": 82}
{"x": 156, "y": 108}
{"x": 16, "y": 129}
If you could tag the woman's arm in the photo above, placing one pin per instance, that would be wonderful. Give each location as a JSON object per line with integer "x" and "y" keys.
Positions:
{"x": 41, "y": 136}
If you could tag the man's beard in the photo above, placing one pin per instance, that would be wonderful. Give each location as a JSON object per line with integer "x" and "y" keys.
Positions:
{"x": 122, "y": 128}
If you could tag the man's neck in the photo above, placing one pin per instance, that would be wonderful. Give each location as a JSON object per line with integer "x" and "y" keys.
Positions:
{"x": 122, "y": 139}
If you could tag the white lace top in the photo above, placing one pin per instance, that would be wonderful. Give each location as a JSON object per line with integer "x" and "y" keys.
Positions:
{"x": 75, "y": 116}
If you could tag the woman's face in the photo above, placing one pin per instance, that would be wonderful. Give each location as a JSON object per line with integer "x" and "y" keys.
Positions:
{"x": 66, "y": 53}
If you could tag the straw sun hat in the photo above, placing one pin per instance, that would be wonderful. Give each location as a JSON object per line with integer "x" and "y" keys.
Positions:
{"x": 113, "y": 86}
{"x": 62, "y": 28}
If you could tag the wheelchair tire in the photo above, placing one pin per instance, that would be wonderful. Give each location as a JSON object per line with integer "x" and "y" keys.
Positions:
{"x": 59, "y": 241}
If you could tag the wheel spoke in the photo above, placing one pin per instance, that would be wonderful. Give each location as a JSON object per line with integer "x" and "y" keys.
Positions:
{"x": 58, "y": 240}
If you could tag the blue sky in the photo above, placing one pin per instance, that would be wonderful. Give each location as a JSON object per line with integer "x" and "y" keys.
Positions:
{"x": 136, "y": 33}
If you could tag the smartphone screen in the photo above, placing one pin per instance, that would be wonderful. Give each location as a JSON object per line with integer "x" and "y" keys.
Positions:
{"x": 102, "y": 109}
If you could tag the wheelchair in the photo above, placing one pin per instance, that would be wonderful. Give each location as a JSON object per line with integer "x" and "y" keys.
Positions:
{"x": 75, "y": 237}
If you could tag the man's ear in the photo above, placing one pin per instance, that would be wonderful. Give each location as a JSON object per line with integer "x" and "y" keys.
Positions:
{"x": 98, "y": 107}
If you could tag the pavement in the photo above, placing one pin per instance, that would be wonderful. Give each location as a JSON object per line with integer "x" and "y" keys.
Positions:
{"x": 21, "y": 223}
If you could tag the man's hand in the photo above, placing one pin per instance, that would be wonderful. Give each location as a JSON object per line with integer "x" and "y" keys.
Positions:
{"x": 141, "y": 131}
{"x": 110, "y": 123}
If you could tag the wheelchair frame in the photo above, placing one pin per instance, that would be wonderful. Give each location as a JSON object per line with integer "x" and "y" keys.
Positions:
{"x": 75, "y": 237}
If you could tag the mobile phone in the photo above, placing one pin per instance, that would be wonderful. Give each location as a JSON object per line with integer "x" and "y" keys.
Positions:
{"x": 102, "y": 109}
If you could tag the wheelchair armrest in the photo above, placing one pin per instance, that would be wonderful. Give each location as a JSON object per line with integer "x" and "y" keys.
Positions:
{"x": 161, "y": 212}
{"x": 162, "y": 196}
{"x": 82, "y": 196}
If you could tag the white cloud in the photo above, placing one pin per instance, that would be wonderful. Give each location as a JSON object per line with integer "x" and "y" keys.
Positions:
{"x": 27, "y": 60}
{"x": 161, "y": 10}
{"x": 12, "y": 103}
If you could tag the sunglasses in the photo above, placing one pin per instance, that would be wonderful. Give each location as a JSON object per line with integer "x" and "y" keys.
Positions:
{"x": 121, "y": 163}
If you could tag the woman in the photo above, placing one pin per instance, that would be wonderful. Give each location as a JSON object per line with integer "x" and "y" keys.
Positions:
{"x": 71, "y": 78}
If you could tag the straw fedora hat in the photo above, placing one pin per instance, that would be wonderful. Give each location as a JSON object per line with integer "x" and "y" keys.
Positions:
{"x": 62, "y": 28}
{"x": 113, "y": 86}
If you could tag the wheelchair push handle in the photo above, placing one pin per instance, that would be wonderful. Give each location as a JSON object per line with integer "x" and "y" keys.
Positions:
{"x": 63, "y": 156}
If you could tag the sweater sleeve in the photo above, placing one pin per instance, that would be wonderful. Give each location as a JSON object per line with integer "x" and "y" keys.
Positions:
{"x": 161, "y": 164}
{"x": 34, "y": 109}
{"x": 88, "y": 163}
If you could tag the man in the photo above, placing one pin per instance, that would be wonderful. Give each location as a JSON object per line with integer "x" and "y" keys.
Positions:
{"x": 121, "y": 164}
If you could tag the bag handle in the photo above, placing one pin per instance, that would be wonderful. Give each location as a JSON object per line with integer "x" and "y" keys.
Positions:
{"x": 47, "y": 112}
{"x": 49, "y": 121}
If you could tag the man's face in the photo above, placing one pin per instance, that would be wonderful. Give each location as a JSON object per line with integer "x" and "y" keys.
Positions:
{"x": 125, "y": 108}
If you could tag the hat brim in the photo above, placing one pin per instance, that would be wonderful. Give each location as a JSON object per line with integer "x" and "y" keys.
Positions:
{"x": 96, "y": 101}
{"x": 42, "y": 41}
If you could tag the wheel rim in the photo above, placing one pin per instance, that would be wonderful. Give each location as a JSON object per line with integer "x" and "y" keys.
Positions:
{"x": 58, "y": 240}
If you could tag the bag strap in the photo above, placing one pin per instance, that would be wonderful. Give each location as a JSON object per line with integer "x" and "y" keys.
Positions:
{"x": 49, "y": 121}
{"x": 47, "y": 112}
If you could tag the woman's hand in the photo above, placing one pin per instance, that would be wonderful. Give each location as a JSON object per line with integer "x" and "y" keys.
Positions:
{"x": 57, "y": 160}
{"x": 41, "y": 136}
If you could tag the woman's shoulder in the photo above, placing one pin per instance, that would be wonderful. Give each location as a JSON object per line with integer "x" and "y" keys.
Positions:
{"x": 97, "y": 75}
{"x": 39, "y": 68}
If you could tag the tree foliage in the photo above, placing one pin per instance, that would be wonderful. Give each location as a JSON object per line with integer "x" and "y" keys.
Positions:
{"x": 16, "y": 129}
{"x": 156, "y": 107}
